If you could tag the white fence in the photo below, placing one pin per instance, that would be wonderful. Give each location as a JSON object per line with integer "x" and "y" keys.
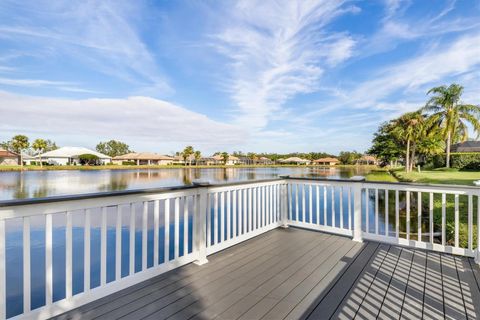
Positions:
{"x": 92, "y": 246}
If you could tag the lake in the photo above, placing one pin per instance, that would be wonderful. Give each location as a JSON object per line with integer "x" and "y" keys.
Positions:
{"x": 37, "y": 184}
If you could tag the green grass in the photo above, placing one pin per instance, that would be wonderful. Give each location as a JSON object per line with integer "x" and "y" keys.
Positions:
{"x": 440, "y": 176}
{"x": 380, "y": 175}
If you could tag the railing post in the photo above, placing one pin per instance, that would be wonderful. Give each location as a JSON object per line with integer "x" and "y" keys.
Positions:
{"x": 284, "y": 203}
{"x": 200, "y": 223}
{"x": 357, "y": 207}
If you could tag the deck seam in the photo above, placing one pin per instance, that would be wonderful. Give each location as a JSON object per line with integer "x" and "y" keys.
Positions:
{"x": 461, "y": 287}
{"x": 408, "y": 281}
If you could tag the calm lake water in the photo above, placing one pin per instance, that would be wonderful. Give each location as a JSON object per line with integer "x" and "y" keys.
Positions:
{"x": 35, "y": 184}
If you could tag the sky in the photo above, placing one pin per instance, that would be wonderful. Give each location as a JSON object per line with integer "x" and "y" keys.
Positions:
{"x": 260, "y": 76}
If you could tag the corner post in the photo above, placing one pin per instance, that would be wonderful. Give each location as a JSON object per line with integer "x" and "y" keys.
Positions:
{"x": 200, "y": 223}
{"x": 357, "y": 207}
{"x": 284, "y": 203}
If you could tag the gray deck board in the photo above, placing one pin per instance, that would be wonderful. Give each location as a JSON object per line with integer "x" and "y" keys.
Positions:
{"x": 299, "y": 274}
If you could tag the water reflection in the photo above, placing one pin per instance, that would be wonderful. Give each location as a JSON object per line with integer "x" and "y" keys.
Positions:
{"x": 34, "y": 184}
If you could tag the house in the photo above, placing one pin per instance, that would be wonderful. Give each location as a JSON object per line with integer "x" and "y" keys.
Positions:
{"x": 467, "y": 146}
{"x": 180, "y": 160}
{"x": 329, "y": 161}
{"x": 367, "y": 160}
{"x": 218, "y": 160}
{"x": 144, "y": 158}
{"x": 8, "y": 158}
{"x": 263, "y": 161}
{"x": 69, "y": 155}
{"x": 294, "y": 160}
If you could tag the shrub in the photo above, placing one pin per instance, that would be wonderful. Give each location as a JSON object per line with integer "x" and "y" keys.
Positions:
{"x": 459, "y": 160}
{"x": 88, "y": 159}
{"x": 128, "y": 163}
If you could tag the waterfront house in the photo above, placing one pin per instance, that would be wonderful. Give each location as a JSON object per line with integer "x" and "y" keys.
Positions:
{"x": 467, "y": 146}
{"x": 143, "y": 158}
{"x": 218, "y": 160}
{"x": 367, "y": 160}
{"x": 328, "y": 161}
{"x": 9, "y": 158}
{"x": 294, "y": 160}
{"x": 69, "y": 155}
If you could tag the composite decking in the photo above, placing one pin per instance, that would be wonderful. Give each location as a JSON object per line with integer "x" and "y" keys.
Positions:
{"x": 298, "y": 274}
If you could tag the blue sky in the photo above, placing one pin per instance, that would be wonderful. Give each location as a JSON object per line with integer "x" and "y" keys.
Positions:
{"x": 273, "y": 76}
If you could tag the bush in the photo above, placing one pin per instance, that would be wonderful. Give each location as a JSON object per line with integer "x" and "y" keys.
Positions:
{"x": 459, "y": 160}
{"x": 129, "y": 163}
{"x": 88, "y": 159}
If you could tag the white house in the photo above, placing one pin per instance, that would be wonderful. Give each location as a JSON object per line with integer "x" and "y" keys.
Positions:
{"x": 69, "y": 155}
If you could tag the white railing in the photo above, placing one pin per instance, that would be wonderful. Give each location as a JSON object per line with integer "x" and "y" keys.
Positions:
{"x": 94, "y": 245}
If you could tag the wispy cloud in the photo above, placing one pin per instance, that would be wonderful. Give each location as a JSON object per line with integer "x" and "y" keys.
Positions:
{"x": 277, "y": 51}
{"x": 102, "y": 35}
{"x": 145, "y": 123}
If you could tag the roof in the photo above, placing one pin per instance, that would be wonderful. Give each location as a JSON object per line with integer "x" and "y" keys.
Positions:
{"x": 294, "y": 159}
{"x": 70, "y": 152}
{"x": 367, "y": 157}
{"x": 327, "y": 159}
{"x": 7, "y": 154}
{"x": 219, "y": 157}
{"x": 142, "y": 156}
{"x": 467, "y": 146}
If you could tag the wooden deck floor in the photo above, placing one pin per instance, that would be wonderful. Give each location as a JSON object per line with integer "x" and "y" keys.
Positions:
{"x": 298, "y": 274}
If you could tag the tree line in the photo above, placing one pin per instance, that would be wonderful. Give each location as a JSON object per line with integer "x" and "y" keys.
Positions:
{"x": 415, "y": 137}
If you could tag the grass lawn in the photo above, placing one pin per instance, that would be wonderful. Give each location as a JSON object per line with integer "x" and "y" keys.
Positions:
{"x": 380, "y": 175}
{"x": 440, "y": 176}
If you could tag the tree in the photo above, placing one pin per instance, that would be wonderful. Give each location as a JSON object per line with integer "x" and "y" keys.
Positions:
{"x": 39, "y": 145}
{"x": 225, "y": 157}
{"x": 407, "y": 128}
{"x": 198, "y": 155}
{"x": 451, "y": 115}
{"x": 18, "y": 144}
{"x": 187, "y": 152}
{"x": 385, "y": 145}
{"x": 88, "y": 159}
{"x": 113, "y": 148}
{"x": 50, "y": 146}
{"x": 347, "y": 157}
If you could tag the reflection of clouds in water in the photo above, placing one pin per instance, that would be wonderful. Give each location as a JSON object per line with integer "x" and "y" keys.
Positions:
{"x": 17, "y": 185}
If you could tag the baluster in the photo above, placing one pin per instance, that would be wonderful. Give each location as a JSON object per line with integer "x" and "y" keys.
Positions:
{"x": 341, "y": 207}
{"x": 457, "y": 222}
{"x": 310, "y": 201}
{"x": 118, "y": 245}
{"x": 222, "y": 215}
{"x": 244, "y": 211}
{"x": 470, "y": 222}
{"x": 185, "y": 226}
{"x": 387, "y": 232}
{"x": 144, "y": 235}
{"x": 209, "y": 219}
{"x": 325, "y": 206}
{"x": 290, "y": 201}
{"x": 270, "y": 202}
{"x": 296, "y": 203}
{"x": 229, "y": 214}
{"x": 166, "y": 217}
{"x": 419, "y": 216}
{"x": 176, "y": 236}
{"x": 235, "y": 213}
{"x": 478, "y": 234}
{"x": 103, "y": 248}
{"x": 86, "y": 249}
{"x": 132, "y": 239}
{"x": 350, "y": 208}
{"x": 430, "y": 207}
{"x": 303, "y": 203}
{"x": 408, "y": 214}
{"x": 397, "y": 214}
{"x": 255, "y": 207}
{"x": 444, "y": 217}
{"x": 376, "y": 211}
{"x": 317, "y": 191}
{"x": 26, "y": 265}
{"x": 68, "y": 255}
{"x": 333, "y": 206}
{"x": 215, "y": 218}
{"x": 156, "y": 226}
{"x": 367, "y": 210}
{"x": 250, "y": 214}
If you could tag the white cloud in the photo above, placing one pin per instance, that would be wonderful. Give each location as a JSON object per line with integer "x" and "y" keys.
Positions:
{"x": 145, "y": 123}
{"x": 279, "y": 50}
{"x": 102, "y": 35}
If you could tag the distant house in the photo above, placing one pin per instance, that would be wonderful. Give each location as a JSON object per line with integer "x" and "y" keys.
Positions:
{"x": 69, "y": 155}
{"x": 326, "y": 161}
{"x": 8, "y": 158}
{"x": 294, "y": 160}
{"x": 180, "y": 160}
{"x": 143, "y": 158}
{"x": 218, "y": 160}
{"x": 367, "y": 160}
{"x": 467, "y": 146}
{"x": 263, "y": 161}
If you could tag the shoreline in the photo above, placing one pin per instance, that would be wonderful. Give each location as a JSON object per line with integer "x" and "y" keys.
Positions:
{"x": 135, "y": 167}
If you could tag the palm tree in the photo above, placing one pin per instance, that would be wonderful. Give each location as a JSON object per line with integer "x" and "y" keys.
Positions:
{"x": 187, "y": 152}
{"x": 39, "y": 145}
{"x": 407, "y": 128}
{"x": 20, "y": 143}
{"x": 197, "y": 154}
{"x": 225, "y": 157}
{"x": 451, "y": 115}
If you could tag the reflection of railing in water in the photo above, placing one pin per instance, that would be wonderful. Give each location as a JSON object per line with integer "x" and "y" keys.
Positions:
{"x": 94, "y": 245}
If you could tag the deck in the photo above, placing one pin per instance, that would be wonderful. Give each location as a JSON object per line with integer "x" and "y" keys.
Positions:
{"x": 298, "y": 274}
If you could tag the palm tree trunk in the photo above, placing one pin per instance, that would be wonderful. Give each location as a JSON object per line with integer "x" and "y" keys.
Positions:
{"x": 412, "y": 158}
{"x": 407, "y": 160}
{"x": 449, "y": 141}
